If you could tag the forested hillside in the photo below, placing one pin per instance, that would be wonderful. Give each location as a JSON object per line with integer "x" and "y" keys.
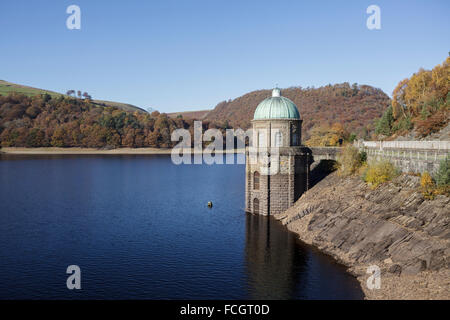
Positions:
{"x": 420, "y": 104}
{"x": 353, "y": 106}
{"x": 48, "y": 121}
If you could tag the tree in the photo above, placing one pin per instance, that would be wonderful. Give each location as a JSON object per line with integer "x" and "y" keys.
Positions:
{"x": 422, "y": 100}
{"x": 154, "y": 139}
{"x": 155, "y": 114}
{"x": 58, "y": 137}
{"x": 442, "y": 176}
{"x": 325, "y": 135}
{"x": 384, "y": 125}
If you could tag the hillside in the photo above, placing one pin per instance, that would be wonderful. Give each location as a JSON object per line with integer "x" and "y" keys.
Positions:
{"x": 34, "y": 121}
{"x": 420, "y": 106}
{"x": 197, "y": 115}
{"x": 8, "y": 87}
{"x": 354, "y": 107}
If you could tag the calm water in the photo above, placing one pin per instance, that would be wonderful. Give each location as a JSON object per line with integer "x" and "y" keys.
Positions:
{"x": 139, "y": 227}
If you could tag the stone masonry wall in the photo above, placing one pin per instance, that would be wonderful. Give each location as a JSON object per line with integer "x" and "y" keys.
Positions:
{"x": 417, "y": 161}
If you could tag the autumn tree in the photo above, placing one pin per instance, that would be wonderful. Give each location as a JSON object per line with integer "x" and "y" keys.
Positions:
{"x": 327, "y": 136}
{"x": 421, "y": 101}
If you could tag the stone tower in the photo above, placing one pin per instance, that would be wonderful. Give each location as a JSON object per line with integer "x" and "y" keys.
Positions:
{"x": 277, "y": 165}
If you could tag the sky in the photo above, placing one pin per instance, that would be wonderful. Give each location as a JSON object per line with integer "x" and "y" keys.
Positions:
{"x": 192, "y": 54}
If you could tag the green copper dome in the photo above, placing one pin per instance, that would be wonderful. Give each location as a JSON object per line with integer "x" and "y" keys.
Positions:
{"x": 276, "y": 107}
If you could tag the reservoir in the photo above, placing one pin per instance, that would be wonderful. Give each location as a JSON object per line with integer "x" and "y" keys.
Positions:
{"x": 139, "y": 227}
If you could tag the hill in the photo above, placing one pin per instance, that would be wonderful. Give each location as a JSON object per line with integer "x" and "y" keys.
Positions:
{"x": 8, "y": 87}
{"x": 46, "y": 120}
{"x": 354, "y": 107}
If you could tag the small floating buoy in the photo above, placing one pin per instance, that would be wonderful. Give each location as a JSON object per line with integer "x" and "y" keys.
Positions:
{"x": 209, "y": 204}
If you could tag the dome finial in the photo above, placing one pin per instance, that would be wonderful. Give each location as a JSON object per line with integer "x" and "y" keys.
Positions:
{"x": 276, "y": 92}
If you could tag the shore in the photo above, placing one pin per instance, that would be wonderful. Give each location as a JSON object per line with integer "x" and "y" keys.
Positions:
{"x": 391, "y": 227}
{"x": 73, "y": 151}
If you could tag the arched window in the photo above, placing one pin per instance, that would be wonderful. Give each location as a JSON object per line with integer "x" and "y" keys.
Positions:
{"x": 256, "y": 180}
{"x": 255, "y": 206}
{"x": 294, "y": 135}
{"x": 261, "y": 139}
{"x": 294, "y": 139}
{"x": 278, "y": 139}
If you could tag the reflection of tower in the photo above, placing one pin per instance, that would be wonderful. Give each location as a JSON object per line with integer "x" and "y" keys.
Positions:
{"x": 276, "y": 132}
{"x": 274, "y": 261}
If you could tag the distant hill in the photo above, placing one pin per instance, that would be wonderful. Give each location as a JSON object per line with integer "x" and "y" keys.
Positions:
{"x": 354, "y": 106}
{"x": 197, "y": 115}
{"x": 40, "y": 120}
{"x": 8, "y": 87}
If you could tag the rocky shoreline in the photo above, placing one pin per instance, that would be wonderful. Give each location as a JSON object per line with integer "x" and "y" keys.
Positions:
{"x": 392, "y": 227}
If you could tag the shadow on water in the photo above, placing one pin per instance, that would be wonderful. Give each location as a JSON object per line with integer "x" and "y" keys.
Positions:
{"x": 280, "y": 266}
{"x": 320, "y": 171}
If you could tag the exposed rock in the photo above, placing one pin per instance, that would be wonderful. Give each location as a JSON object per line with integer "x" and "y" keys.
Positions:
{"x": 392, "y": 227}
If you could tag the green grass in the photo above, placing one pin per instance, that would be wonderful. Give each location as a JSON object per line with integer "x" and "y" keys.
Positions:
{"x": 8, "y": 87}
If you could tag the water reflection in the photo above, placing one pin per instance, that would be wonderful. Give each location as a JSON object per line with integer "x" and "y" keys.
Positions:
{"x": 273, "y": 259}
{"x": 279, "y": 266}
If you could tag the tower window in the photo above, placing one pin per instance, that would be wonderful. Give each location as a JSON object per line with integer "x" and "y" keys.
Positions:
{"x": 294, "y": 139}
{"x": 295, "y": 135}
{"x": 278, "y": 139}
{"x": 256, "y": 180}
{"x": 261, "y": 139}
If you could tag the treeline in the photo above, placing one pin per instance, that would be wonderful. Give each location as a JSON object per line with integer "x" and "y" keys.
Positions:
{"x": 353, "y": 106}
{"x": 43, "y": 121}
{"x": 420, "y": 102}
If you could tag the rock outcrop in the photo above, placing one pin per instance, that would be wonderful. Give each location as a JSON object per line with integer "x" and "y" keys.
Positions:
{"x": 392, "y": 227}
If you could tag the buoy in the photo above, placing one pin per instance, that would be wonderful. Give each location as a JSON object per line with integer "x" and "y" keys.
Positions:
{"x": 209, "y": 204}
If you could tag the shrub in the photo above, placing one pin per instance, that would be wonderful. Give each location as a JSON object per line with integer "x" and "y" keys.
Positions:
{"x": 426, "y": 181}
{"x": 380, "y": 172}
{"x": 428, "y": 185}
{"x": 363, "y": 157}
{"x": 350, "y": 160}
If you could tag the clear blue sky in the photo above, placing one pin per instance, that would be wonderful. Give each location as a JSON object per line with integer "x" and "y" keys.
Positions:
{"x": 192, "y": 54}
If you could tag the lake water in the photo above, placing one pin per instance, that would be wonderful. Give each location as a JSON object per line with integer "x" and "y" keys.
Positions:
{"x": 139, "y": 228}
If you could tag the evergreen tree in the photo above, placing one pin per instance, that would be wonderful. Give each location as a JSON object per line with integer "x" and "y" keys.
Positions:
{"x": 384, "y": 124}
